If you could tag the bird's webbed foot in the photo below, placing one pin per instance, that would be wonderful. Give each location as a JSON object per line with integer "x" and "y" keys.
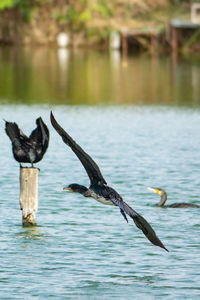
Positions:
{"x": 124, "y": 215}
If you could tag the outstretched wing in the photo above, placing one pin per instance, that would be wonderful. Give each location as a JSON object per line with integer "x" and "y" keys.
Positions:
{"x": 90, "y": 166}
{"x": 15, "y": 134}
{"x": 13, "y": 131}
{"x": 40, "y": 135}
{"x": 140, "y": 222}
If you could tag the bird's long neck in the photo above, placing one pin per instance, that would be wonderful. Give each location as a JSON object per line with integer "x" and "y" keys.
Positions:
{"x": 84, "y": 191}
{"x": 163, "y": 199}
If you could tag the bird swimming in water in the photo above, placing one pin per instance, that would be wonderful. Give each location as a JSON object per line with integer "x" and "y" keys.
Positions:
{"x": 28, "y": 149}
{"x": 163, "y": 199}
{"x": 100, "y": 191}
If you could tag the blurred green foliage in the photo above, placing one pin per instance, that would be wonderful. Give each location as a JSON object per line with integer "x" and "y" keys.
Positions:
{"x": 6, "y": 4}
{"x": 76, "y": 14}
{"x": 77, "y": 18}
{"x": 103, "y": 8}
{"x": 73, "y": 17}
{"x": 26, "y": 6}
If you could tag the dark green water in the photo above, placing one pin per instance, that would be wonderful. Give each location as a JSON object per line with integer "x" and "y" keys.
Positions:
{"x": 82, "y": 249}
{"x": 53, "y": 76}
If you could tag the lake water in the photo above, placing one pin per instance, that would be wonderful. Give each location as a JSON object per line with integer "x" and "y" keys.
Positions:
{"x": 141, "y": 125}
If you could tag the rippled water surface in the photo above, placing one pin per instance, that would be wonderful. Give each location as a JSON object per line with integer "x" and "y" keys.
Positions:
{"x": 82, "y": 249}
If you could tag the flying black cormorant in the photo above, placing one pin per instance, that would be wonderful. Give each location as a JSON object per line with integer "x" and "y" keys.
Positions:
{"x": 99, "y": 189}
{"x": 163, "y": 199}
{"x": 28, "y": 149}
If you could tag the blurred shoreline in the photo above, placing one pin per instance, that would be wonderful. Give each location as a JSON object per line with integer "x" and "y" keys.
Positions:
{"x": 90, "y": 23}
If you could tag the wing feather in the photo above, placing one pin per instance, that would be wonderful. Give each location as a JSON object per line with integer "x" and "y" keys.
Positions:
{"x": 140, "y": 222}
{"x": 88, "y": 163}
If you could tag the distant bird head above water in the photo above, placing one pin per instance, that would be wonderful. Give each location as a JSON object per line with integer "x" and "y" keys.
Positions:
{"x": 158, "y": 191}
{"x": 163, "y": 199}
{"x": 161, "y": 193}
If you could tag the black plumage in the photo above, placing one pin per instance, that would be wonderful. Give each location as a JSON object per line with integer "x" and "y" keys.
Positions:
{"x": 28, "y": 149}
{"x": 99, "y": 189}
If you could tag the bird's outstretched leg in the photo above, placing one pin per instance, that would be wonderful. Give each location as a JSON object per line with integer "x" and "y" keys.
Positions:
{"x": 124, "y": 215}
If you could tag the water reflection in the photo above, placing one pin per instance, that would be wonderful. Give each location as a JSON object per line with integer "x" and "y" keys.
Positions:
{"x": 29, "y": 234}
{"x": 63, "y": 62}
{"x": 63, "y": 59}
{"x": 62, "y": 76}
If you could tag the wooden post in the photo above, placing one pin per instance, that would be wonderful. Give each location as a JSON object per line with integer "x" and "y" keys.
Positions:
{"x": 28, "y": 195}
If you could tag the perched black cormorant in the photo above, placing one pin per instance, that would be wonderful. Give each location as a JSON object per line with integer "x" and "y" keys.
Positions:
{"x": 100, "y": 191}
{"x": 28, "y": 149}
{"x": 163, "y": 199}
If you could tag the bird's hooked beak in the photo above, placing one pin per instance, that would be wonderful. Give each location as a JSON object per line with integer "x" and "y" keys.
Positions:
{"x": 67, "y": 188}
{"x": 154, "y": 190}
